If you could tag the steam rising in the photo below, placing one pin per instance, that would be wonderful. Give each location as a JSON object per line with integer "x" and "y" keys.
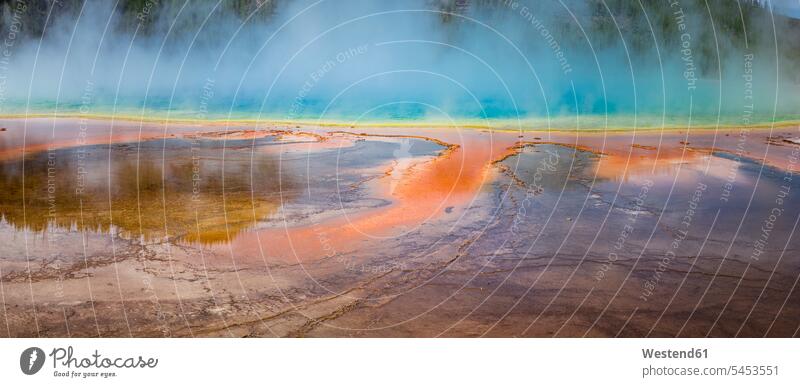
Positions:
{"x": 443, "y": 61}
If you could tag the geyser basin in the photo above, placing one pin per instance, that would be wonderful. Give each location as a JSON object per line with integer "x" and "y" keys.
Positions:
{"x": 431, "y": 231}
{"x": 416, "y": 168}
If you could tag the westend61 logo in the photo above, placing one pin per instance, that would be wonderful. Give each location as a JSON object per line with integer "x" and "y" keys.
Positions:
{"x": 67, "y": 364}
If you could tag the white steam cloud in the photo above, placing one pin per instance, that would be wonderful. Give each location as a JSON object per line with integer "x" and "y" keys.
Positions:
{"x": 356, "y": 60}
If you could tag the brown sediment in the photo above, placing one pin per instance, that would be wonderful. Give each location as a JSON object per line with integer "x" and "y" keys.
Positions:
{"x": 126, "y": 190}
{"x": 155, "y": 208}
{"x": 512, "y": 151}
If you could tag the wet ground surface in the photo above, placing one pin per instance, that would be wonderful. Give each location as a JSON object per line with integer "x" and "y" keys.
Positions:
{"x": 399, "y": 232}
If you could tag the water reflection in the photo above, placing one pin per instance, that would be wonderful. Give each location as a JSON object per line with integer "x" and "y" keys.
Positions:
{"x": 549, "y": 167}
{"x": 195, "y": 191}
{"x": 555, "y": 166}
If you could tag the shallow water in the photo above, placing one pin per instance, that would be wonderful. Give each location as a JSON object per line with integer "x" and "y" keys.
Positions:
{"x": 154, "y": 190}
{"x": 401, "y": 232}
{"x": 682, "y": 250}
{"x": 189, "y": 190}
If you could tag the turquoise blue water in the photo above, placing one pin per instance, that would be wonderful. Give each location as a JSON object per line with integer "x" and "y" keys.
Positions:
{"x": 487, "y": 113}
